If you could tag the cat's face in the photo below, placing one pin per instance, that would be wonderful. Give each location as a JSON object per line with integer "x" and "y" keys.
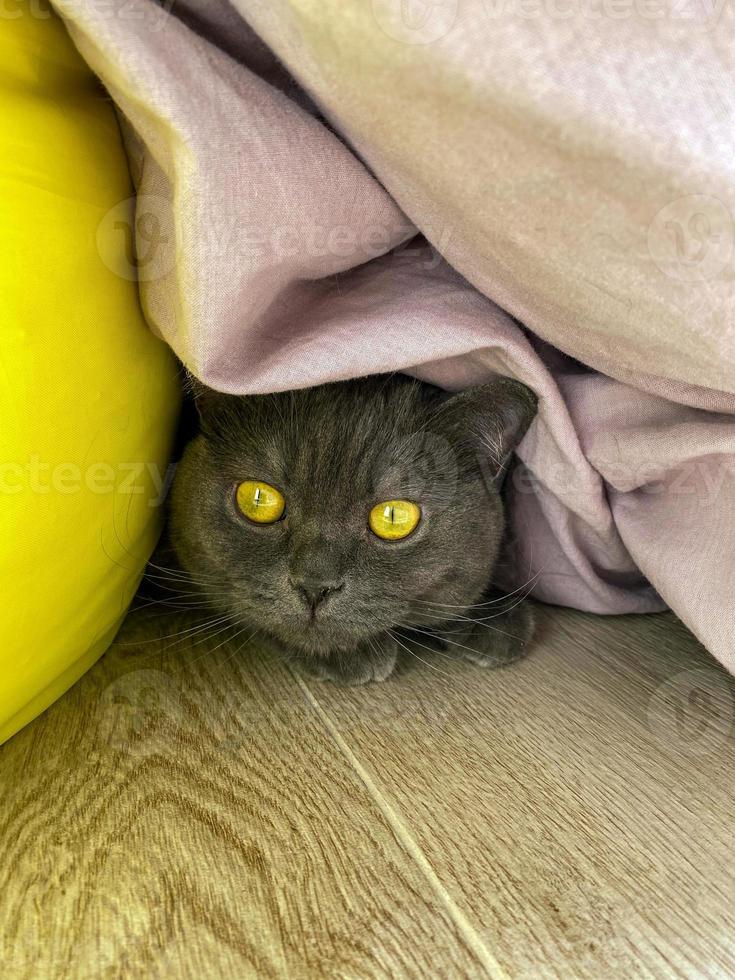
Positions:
{"x": 271, "y": 505}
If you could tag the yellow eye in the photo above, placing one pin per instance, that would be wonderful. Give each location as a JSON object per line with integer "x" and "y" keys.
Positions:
{"x": 260, "y": 502}
{"x": 394, "y": 519}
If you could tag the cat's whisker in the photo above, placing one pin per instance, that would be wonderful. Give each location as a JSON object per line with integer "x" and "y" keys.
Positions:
{"x": 137, "y": 559}
{"x": 192, "y": 629}
{"x": 169, "y": 604}
{"x": 530, "y": 582}
{"x": 438, "y": 653}
{"x": 414, "y": 654}
{"x": 169, "y": 610}
{"x": 462, "y": 646}
{"x": 164, "y": 574}
{"x": 180, "y": 575}
{"x": 195, "y": 594}
{"x": 464, "y": 626}
{"x": 461, "y": 622}
{"x": 180, "y": 572}
{"x": 203, "y": 637}
{"x": 505, "y": 610}
{"x": 201, "y": 591}
{"x": 480, "y": 620}
{"x": 165, "y": 570}
{"x": 240, "y": 648}
{"x": 480, "y": 605}
{"x": 227, "y": 639}
{"x": 449, "y": 615}
{"x": 185, "y": 599}
{"x": 372, "y": 643}
{"x": 181, "y": 580}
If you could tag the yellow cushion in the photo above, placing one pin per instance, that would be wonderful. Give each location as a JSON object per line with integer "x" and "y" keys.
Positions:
{"x": 88, "y": 397}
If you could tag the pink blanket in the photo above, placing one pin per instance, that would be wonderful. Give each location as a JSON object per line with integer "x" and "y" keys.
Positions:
{"x": 571, "y": 165}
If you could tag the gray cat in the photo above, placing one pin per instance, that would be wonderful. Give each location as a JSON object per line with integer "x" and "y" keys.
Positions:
{"x": 356, "y": 520}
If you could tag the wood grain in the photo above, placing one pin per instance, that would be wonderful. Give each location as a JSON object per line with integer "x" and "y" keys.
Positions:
{"x": 578, "y": 806}
{"x": 196, "y": 809}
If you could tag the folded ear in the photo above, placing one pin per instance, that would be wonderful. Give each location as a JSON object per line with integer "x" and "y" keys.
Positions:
{"x": 201, "y": 395}
{"x": 217, "y": 411}
{"x": 490, "y": 419}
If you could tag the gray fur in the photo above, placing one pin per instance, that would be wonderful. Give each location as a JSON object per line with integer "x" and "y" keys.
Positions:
{"x": 334, "y": 451}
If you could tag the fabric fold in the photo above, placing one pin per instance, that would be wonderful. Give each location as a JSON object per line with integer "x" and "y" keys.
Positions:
{"x": 576, "y": 232}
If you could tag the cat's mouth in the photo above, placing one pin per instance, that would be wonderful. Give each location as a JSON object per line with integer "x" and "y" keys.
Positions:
{"x": 311, "y": 617}
{"x": 319, "y": 620}
{"x": 317, "y": 631}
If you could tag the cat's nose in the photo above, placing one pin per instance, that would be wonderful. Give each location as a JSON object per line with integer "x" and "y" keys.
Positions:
{"x": 315, "y": 591}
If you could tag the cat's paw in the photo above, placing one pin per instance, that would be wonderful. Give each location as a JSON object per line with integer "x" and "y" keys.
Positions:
{"x": 363, "y": 665}
{"x": 499, "y": 635}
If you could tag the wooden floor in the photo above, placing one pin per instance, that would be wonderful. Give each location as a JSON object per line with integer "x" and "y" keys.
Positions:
{"x": 194, "y": 810}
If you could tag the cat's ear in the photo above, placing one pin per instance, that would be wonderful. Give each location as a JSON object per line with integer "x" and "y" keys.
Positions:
{"x": 204, "y": 398}
{"x": 216, "y": 412}
{"x": 489, "y": 419}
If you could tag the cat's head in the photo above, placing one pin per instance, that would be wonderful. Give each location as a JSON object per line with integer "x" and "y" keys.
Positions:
{"x": 325, "y": 516}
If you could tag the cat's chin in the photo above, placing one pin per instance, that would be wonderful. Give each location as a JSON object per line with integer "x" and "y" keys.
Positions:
{"x": 319, "y": 635}
{"x": 318, "y": 640}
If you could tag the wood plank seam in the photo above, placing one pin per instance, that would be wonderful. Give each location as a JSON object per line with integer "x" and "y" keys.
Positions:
{"x": 402, "y": 833}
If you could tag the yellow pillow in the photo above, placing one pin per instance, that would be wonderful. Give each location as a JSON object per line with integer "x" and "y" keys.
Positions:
{"x": 88, "y": 397}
